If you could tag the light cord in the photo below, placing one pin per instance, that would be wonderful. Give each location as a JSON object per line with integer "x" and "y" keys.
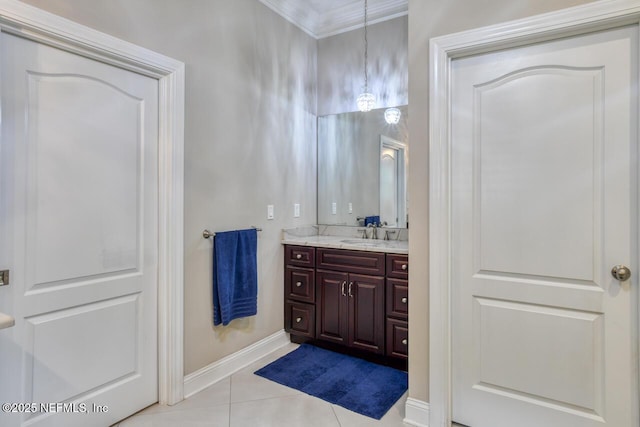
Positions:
{"x": 366, "y": 45}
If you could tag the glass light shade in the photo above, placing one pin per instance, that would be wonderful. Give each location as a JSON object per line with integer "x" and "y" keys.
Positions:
{"x": 366, "y": 101}
{"x": 392, "y": 115}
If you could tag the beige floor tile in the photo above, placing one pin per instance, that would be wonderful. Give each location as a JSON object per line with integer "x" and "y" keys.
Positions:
{"x": 245, "y": 399}
{"x": 217, "y": 394}
{"x": 246, "y": 386}
{"x": 393, "y": 418}
{"x": 293, "y": 411}
{"x": 214, "y": 416}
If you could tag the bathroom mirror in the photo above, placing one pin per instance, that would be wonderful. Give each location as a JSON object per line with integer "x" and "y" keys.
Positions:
{"x": 362, "y": 168}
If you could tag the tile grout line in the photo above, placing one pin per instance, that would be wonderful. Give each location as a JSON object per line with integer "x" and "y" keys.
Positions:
{"x": 335, "y": 415}
{"x": 230, "y": 391}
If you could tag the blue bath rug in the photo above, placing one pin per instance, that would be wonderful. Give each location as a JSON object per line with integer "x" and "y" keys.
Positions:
{"x": 355, "y": 384}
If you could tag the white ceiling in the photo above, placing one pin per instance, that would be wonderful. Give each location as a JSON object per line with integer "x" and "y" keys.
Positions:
{"x": 323, "y": 18}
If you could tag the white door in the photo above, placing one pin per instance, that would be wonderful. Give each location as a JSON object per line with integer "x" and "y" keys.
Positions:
{"x": 544, "y": 184}
{"x": 78, "y": 211}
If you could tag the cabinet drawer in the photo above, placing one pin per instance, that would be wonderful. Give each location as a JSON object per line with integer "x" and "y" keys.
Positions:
{"x": 351, "y": 261}
{"x": 299, "y": 284}
{"x": 397, "y": 298}
{"x": 398, "y": 266}
{"x": 303, "y": 256}
{"x": 299, "y": 319}
{"x": 397, "y": 338}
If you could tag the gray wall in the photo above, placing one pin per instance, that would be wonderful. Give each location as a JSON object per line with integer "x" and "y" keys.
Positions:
{"x": 250, "y": 136}
{"x": 430, "y": 18}
{"x": 341, "y": 67}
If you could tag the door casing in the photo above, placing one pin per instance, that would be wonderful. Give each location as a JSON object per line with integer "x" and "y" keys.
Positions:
{"x": 568, "y": 22}
{"x": 43, "y": 27}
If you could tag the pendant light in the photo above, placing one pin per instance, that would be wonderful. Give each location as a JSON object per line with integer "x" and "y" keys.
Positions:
{"x": 366, "y": 101}
{"x": 392, "y": 115}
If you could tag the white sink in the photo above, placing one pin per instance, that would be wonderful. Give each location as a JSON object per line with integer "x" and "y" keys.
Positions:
{"x": 6, "y": 321}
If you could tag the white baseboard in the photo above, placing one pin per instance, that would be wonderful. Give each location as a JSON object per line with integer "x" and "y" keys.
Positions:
{"x": 211, "y": 374}
{"x": 416, "y": 413}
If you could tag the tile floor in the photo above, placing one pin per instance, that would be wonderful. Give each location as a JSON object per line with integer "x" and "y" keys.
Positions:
{"x": 247, "y": 400}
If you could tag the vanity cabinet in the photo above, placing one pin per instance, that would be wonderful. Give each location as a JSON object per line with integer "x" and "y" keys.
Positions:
{"x": 300, "y": 293}
{"x": 349, "y": 310}
{"x": 355, "y": 299}
{"x": 397, "y": 306}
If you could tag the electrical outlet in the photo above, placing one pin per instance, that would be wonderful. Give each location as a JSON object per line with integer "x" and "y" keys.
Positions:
{"x": 296, "y": 210}
{"x": 334, "y": 208}
{"x": 350, "y": 207}
{"x": 270, "y": 212}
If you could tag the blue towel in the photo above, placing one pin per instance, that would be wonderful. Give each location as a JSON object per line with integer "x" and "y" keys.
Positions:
{"x": 235, "y": 275}
{"x": 375, "y": 220}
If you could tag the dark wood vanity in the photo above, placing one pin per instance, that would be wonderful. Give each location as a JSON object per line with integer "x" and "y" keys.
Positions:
{"x": 354, "y": 300}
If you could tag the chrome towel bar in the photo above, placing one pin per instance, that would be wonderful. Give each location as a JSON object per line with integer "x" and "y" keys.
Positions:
{"x": 208, "y": 234}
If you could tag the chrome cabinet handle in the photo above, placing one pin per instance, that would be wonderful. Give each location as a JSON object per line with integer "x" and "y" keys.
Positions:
{"x": 298, "y": 284}
{"x": 350, "y": 285}
{"x": 404, "y": 267}
{"x": 299, "y": 256}
{"x": 405, "y": 342}
{"x": 343, "y": 285}
{"x": 298, "y": 319}
{"x": 404, "y": 300}
{"x": 621, "y": 273}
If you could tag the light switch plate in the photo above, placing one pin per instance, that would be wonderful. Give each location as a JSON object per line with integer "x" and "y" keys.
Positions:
{"x": 296, "y": 210}
{"x": 334, "y": 208}
{"x": 270, "y": 212}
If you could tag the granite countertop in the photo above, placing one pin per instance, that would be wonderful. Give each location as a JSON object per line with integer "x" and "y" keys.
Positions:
{"x": 346, "y": 242}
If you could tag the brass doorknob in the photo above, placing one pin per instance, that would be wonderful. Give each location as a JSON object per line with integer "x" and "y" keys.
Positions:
{"x": 621, "y": 273}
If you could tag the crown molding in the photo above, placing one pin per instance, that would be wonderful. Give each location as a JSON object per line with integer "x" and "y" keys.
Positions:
{"x": 320, "y": 24}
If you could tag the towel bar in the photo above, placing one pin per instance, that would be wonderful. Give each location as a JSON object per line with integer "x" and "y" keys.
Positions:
{"x": 208, "y": 234}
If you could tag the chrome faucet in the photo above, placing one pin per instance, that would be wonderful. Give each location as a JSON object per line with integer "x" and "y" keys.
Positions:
{"x": 374, "y": 232}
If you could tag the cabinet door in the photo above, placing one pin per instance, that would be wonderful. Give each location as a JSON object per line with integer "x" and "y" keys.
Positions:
{"x": 367, "y": 317}
{"x": 397, "y": 338}
{"x": 397, "y": 298}
{"x": 299, "y": 284}
{"x": 332, "y": 310}
{"x": 299, "y": 319}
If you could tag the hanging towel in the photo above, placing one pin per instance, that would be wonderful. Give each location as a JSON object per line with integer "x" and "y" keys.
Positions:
{"x": 375, "y": 220}
{"x": 235, "y": 275}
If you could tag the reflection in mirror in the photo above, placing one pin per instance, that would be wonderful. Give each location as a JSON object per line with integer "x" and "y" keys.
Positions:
{"x": 392, "y": 182}
{"x": 362, "y": 168}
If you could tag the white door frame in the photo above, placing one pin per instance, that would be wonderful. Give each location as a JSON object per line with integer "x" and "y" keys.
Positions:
{"x": 591, "y": 17}
{"x": 43, "y": 27}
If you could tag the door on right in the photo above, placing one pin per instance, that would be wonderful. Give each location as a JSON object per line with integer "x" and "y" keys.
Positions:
{"x": 544, "y": 205}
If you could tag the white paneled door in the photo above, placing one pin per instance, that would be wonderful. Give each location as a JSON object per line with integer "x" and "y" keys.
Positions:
{"x": 78, "y": 210}
{"x": 544, "y": 205}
